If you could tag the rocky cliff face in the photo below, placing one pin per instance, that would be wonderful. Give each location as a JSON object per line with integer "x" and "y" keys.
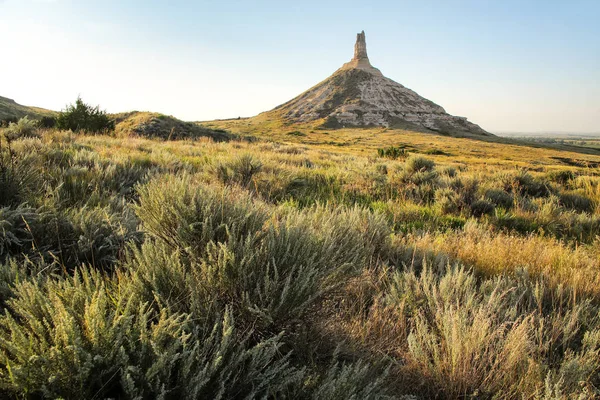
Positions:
{"x": 358, "y": 94}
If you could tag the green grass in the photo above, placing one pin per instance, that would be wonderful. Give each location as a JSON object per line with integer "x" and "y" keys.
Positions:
{"x": 296, "y": 266}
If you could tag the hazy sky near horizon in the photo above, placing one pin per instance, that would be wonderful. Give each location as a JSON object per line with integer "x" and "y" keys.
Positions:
{"x": 525, "y": 66}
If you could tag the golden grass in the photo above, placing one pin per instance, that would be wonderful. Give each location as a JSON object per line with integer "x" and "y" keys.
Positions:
{"x": 494, "y": 253}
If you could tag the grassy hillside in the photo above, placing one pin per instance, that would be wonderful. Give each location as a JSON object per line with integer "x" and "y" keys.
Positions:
{"x": 272, "y": 127}
{"x": 160, "y": 126}
{"x": 10, "y": 109}
{"x": 307, "y": 264}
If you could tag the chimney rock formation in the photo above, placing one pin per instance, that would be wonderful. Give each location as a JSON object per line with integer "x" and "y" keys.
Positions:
{"x": 358, "y": 94}
{"x": 360, "y": 48}
{"x": 360, "y": 59}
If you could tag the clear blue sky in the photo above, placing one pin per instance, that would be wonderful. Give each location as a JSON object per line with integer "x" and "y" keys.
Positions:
{"x": 506, "y": 65}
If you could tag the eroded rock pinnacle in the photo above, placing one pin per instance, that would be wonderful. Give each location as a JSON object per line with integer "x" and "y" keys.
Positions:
{"x": 360, "y": 48}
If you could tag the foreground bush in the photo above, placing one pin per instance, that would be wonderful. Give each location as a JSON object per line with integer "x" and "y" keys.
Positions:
{"x": 271, "y": 270}
{"x": 22, "y": 129}
{"x": 161, "y": 324}
{"x": 83, "y": 337}
{"x": 454, "y": 334}
{"x": 471, "y": 338}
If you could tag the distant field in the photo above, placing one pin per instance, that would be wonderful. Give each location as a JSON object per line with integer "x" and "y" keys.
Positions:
{"x": 583, "y": 141}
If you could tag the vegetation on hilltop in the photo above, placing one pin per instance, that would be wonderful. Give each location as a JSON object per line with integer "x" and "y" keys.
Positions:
{"x": 306, "y": 266}
{"x": 84, "y": 117}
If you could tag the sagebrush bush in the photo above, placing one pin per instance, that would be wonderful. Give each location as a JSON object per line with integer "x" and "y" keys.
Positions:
{"x": 523, "y": 183}
{"x": 562, "y": 176}
{"x": 272, "y": 270}
{"x": 392, "y": 152}
{"x": 311, "y": 187}
{"x": 104, "y": 344}
{"x": 448, "y": 201}
{"x": 576, "y": 201}
{"x": 20, "y": 179}
{"x": 448, "y": 171}
{"x": 352, "y": 381}
{"x": 481, "y": 337}
{"x": 14, "y": 231}
{"x": 188, "y": 215}
{"x": 24, "y": 128}
{"x": 240, "y": 170}
{"x": 96, "y": 236}
{"x": 416, "y": 164}
{"x": 499, "y": 198}
{"x": 480, "y": 208}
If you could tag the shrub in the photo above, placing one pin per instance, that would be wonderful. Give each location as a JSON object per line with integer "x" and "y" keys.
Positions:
{"x": 448, "y": 171}
{"x": 84, "y": 117}
{"x": 499, "y": 198}
{"x": 448, "y": 201}
{"x": 240, "y": 170}
{"x": 7, "y": 121}
{"x": 416, "y": 164}
{"x": 382, "y": 169}
{"x": 392, "y": 152}
{"x": 436, "y": 152}
{"x": 99, "y": 236}
{"x": 271, "y": 271}
{"x": 20, "y": 179}
{"x": 96, "y": 236}
{"x": 21, "y": 129}
{"x": 83, "y": 338}
{"x": 563, "y": 176}
{"x": 12, "y": 273}
{"x": 352, "y": 381}
{"x": 188, "y": 215}
{"x": 310, "y": 187}
{"x": 14, "y": 233}
{"x": 420, "y": 172}
{"x": 482, "y": 207}
{"x": 466, "y": 189}
{"x": 575, "y": 201}
{"x": 47, "y": 122}
{"x": 481, "y": 338}
{"x": 525, "y": 184}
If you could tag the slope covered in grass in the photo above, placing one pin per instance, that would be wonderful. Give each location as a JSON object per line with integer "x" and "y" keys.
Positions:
{"x": 160, "y": 126}
{"x": 10, "y": 109}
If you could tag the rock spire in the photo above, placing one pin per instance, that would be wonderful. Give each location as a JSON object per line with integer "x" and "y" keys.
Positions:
{"x": 360, "y": 48}
{"x": 360, "y": 59}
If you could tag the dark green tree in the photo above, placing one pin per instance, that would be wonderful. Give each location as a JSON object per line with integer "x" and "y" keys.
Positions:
{"x": 84, "y": 117}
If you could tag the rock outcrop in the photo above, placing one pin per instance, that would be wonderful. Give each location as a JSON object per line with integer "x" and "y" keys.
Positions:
{"x": 358, "y": 94}
{"x": 361, "y": 59}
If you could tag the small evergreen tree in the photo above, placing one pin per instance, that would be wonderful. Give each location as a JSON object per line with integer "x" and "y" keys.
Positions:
{"x": 84, "y": 117}
{"x": 47, "y": 122}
